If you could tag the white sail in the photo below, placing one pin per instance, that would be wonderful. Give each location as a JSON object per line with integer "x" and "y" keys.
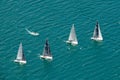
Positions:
{"x": 20, "y": 52}
{"x": 100, "y": 34}
{"x": 20, "y": 56}
{"x": 72, "y": 37}
{"x": 94, "y": 33}
{"x": 97, "y": 35}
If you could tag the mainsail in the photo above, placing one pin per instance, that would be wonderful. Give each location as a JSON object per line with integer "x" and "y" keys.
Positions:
{"x": 97, "y": 33}
{"x": 46, "y": 51}
{"x": 72, "y": 36}
{"x": 20, "y": 54}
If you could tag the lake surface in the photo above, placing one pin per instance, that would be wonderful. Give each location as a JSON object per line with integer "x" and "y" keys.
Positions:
{"x": 53, "y": 19}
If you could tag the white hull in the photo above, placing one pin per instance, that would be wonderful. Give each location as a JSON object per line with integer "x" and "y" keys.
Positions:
{"x": 32, "y": 33}
{"x": 72, "y": 42}
{"x": 97, "y": 39}
{"x": 20, "y": 61}
{"x": 46, "y": 57}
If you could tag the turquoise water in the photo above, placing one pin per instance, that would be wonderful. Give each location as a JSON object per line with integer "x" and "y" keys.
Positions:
{"x": 53, "y": 20}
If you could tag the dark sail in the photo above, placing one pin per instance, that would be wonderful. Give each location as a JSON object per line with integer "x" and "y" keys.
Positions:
{"x": 23, "y": 57}
{"x": 46, "y": 51}
{"x": 97, "y": 30}
{"x": 97, "y": 33}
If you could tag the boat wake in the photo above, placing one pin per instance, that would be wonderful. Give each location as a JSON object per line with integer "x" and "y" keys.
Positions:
{"x": 31, "y": 32}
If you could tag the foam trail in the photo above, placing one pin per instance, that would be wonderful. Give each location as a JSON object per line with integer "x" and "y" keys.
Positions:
{"x": 32, "y": 33}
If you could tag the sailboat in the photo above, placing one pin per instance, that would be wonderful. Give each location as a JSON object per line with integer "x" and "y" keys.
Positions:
{"x": 97, "y": 35}
{"x": 20, "y": 56}
{"x": 46, "y": 52}
{"x": 72, "y": 37}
